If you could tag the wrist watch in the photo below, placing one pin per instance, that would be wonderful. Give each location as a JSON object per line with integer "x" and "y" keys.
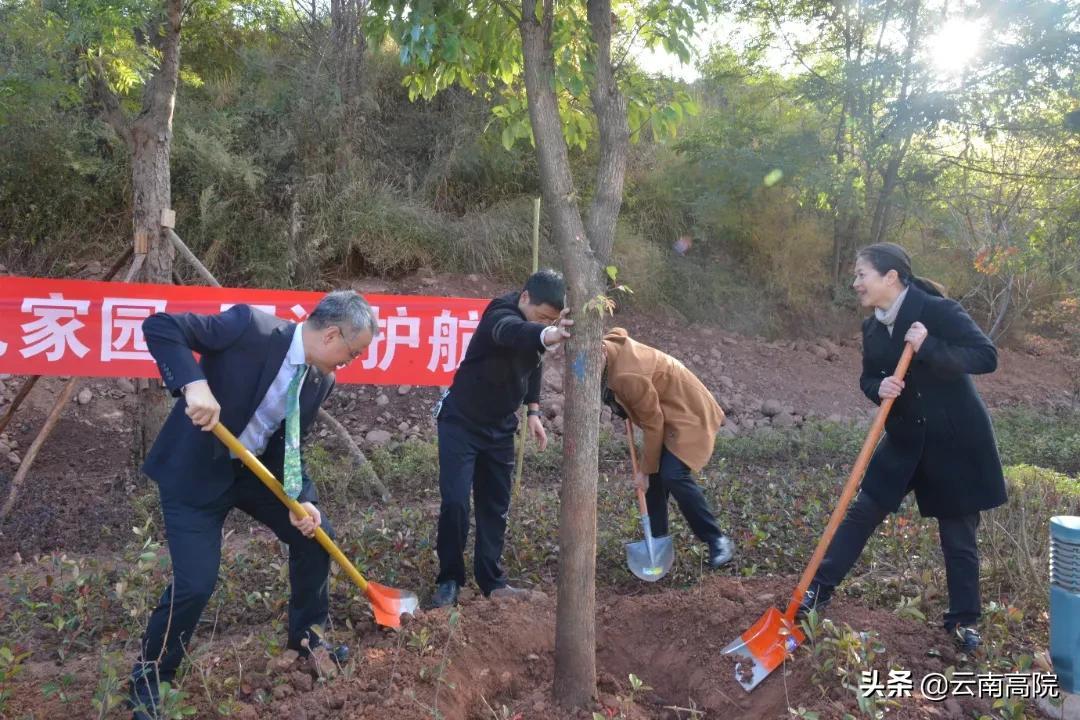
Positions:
{"x": 534, "y": 413}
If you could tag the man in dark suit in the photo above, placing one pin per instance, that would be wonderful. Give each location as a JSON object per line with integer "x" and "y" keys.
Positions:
{"x": 265, "y": 379}
{"x": 477, "y": 419}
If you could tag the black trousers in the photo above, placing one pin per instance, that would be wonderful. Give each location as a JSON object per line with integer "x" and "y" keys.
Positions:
{"x": 958, "y": 545}
{"x": 479, "y": 460}
{"x": 675, "y": 478}
{"x": 194, "y": 537}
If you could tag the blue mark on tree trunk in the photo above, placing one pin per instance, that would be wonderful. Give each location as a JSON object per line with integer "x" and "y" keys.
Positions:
{"x": 578, "y": 366}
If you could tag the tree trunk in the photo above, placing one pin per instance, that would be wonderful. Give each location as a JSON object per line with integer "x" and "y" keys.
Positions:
{"x": 889, "y": 183}
{"x": 151, "y": 146}
{"x": 585, "y": 248}
{"x": 998, "y": 324}
{"x": 348, "y": 43}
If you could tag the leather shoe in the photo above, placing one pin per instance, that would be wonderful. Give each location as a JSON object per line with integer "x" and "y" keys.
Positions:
{"x": 967, "y": 638}
{"x": 144, "y": 699}
{"x": 340, "y": 653}
{"x": 817, "y": 598}
{"x": 446, "y": 594}
{"x": 721, "y": 550}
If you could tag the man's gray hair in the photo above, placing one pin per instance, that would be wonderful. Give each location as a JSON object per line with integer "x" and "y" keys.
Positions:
{"x": 344, "y": 307}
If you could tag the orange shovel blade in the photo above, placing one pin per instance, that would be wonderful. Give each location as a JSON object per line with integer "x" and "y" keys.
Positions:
{"x": 763, "y": 647}
{"x": 390, "y": 603}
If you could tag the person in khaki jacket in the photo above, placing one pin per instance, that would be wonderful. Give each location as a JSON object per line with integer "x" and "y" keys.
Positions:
{"x": 679, "y": 418}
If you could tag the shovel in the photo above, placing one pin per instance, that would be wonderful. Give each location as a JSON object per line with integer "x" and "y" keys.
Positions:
{"x": 763, "y": 647}
{"x": 388, "y": 603}
{"x": 650, "y": 559}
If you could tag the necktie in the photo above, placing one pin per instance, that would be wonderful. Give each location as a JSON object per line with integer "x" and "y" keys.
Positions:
{"x": 293, "y": 476}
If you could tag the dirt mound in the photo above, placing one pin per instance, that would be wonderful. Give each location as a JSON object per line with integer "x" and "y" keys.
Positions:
{"x": 495, "y": 660}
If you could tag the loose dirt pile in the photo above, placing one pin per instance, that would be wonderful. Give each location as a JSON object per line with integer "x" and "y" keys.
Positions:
{"x": 494, "y": 660}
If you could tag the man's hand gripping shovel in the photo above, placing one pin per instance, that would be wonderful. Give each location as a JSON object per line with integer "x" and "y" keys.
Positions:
{"x": 389, "y": 604}
{"x": 763, "y": 647}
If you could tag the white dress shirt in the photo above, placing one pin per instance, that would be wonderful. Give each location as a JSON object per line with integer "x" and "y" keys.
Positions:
{"x": 271, "y": 411}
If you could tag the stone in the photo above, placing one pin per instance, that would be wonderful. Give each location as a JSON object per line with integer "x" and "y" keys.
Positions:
{"x": 727, "y": 383}
{"x": 554, "y": 380}
{"x": 322, "y": 663}
{"x": 836, "y": 418}
{"x": 783, "y": 420}
{"x": 819, "y": 352}
{"x": 243, "y": 711}
{"x": 382, "y": 400}
{"x": 378, "y": 438}
{"x": 403, "y": 427}
{"x": 771, "y": 408}
{"x": 282, "y": 691}
{"x": 125, "y": 386}
{"x": 14, "y": 458}
{"x": 283, "y": 663}
{"x": 85, "y": 396}
{"x": 404, "y": 389}
{"x": 301, "y": 681}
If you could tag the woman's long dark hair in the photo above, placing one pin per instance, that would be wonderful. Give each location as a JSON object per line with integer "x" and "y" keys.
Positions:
{"x": 888, "y": 256}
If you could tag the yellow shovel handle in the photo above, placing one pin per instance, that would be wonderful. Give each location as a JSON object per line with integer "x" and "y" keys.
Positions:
{"x": 254, "y": 465}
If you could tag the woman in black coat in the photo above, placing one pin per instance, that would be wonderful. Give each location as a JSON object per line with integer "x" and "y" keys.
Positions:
{"x": 938, "y": 438}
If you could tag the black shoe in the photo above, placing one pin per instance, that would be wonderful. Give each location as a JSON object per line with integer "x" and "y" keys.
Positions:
{"x": 144, "y": 699}
{"x": 721, "y": 550}
{"x": 967, "y": 638}
{"x": 446, "y": 594}
{"x": 340, "y": 653}
{"x": 817, "y": 598}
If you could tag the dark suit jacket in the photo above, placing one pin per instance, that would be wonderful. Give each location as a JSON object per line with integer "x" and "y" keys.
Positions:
{"x": 241, "y": 351}
{"x": 938, "y": 437}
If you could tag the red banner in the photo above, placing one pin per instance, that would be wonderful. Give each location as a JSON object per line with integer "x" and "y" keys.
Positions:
{"x": 88, "y": 328}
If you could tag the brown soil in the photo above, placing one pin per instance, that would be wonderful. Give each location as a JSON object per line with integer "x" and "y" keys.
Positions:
{"x": 498, "y": 655}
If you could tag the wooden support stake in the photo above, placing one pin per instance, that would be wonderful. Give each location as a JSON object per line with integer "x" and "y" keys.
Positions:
{"x": 359, "y": 459}
{"x": 190, "y": 257}
{"x": 28, "y": 385}
{"x": 523, "y": 434}
{"x": 35, "y": 447}
{"x": 136, "y": 267}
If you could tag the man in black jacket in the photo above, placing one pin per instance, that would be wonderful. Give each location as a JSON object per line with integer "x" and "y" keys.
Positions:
{"x": 502, "y": 369}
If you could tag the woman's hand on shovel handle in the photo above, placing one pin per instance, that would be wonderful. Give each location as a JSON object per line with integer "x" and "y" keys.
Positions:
{"x": 202, "y": 406}
{"x": 891, "y": 387}
{"x": 307, "y": 525}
